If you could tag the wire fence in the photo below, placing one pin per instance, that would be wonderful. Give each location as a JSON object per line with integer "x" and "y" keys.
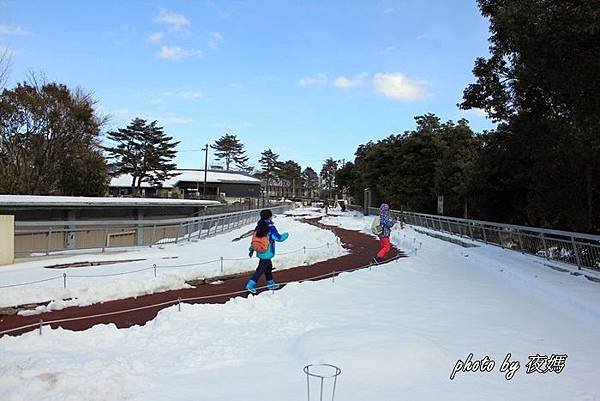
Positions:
{"x": 180, "y": 300}
{"x": 42, "y": 238}
{"x": 578, "y": 249}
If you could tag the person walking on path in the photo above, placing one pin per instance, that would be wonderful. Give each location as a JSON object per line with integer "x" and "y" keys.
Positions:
{"x": 386, "y": 222}
{"x": 263, "y": 243}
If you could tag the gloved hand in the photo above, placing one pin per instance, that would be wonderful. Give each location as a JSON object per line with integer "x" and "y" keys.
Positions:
{"x": 284, "y": 236}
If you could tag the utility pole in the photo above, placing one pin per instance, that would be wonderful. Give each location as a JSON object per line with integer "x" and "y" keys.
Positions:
{"x": 205, "y": 167}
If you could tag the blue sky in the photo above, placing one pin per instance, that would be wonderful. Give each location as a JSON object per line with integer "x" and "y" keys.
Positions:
{"x": 308, "y": 79}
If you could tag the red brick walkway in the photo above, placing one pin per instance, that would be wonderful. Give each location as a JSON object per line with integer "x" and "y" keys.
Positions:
{"x": 362, "y": 249}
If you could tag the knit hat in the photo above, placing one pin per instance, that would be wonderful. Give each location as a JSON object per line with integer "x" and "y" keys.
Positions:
{"x": 384, "y": 207}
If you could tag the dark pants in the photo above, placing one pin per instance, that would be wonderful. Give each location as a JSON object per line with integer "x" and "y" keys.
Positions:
{"x": 264, "y": 266}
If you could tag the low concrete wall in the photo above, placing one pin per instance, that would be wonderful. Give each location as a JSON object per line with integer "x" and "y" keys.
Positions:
{"x": 7, "y": 239}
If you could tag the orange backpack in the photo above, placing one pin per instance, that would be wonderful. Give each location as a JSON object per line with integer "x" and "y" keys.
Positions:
{"x": 260, "y": 244}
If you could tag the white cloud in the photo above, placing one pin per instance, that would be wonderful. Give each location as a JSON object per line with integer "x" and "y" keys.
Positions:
{"x": 174, "y": 20}
{"x": 347, "y": 83}
{"x": 387, "y": 50}
{"x": 177, "y": 53}
{"x": 156, "y": 37}
{"x": 397, "y": 86}
{"x": 319, "y": 78}
{"x": 184, "y": 94}
{"x": 13, "y": 30}
{"x": 215, "y": 39}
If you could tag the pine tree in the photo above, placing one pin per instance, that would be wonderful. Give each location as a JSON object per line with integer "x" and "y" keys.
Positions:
{"x": 162, "y": 155}
{"x": 230, "y": 149}
{"x": 328, "y": 175}
{"x": 144, "y": 151}
{"x": 310, "y": 180}
{"x": 291, "y": 174}
{"x": 269, "y": 167}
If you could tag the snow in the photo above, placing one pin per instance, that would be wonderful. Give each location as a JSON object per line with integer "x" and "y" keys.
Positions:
{"x": 396, "y": 331}
{"x": 176, "y": 263}
{"x": 125, "y": 180}
{"x": 42, "y": 200}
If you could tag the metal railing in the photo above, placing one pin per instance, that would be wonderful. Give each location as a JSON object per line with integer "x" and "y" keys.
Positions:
{"x": 37, "y": 238}
{"x": 581, "y": 250}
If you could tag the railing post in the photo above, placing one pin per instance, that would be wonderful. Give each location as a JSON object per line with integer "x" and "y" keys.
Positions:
{"x": 178, "y": 230}
{"x": 153, "y": 235}
{"x": 576, "y": 253}
{"x": 65, "y": 280}
{"x": 545, "y": 246}
{"x": 520, "y": 240}
{"x": 49, "y": 245}
{"x": 221, "y": 264}
{"x": 484, "y": 235}
{"x": 471, "y": 230}
{"x": 105, "y": 238}
{"x": 200, "y": 227}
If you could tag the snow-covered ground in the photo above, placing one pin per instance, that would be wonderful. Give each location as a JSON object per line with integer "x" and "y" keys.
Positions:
{"x": 176, "y": 263}
{"x": 396, "y": 331}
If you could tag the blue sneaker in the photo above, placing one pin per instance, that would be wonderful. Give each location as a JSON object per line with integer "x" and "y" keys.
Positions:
{"x": 250, "y": 286}
{"x": 272, "y": 285}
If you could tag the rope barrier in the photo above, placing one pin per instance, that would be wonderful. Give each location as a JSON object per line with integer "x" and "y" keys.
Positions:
{"x": 109, "y": 274}
{"x": 150, "y": 268}
{"x": 31, "y": 282}
{"x": 189, "y": 264}
{"x": 178, "y": 300}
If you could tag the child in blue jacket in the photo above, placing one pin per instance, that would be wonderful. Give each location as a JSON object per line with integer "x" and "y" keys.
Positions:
{"x": 265, "y": 227}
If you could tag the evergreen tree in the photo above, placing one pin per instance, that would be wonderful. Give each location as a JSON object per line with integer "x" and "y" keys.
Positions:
{"x": 310, "y": 181}
{"x": 162, "y": 155}
{"x": 270, "y": 166}
{"x": 290, "y": 173}
{"x": 328, "y": 172}
{"x": 344, "y": 177}
{"x": 410, "y": 170}
{"x": 230, "y": 149}
{"x": 541, "y": 83}
{"x": 144, "y": 151}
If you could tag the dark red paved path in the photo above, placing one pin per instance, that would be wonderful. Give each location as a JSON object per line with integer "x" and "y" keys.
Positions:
{"x": 362, "y": 249}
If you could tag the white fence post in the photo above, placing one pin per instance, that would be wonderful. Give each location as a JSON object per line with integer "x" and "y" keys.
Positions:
{"x": 7, "y": 239}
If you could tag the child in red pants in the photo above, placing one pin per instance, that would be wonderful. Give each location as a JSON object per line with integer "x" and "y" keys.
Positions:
{"x": 387, "y": 223}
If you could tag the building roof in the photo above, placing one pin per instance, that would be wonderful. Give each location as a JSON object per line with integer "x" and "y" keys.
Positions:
{"x": 79, "y": 201}
{"x": 192, "y": 176}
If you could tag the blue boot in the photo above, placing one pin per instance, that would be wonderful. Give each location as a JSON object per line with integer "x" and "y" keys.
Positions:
{"x": 250, "y": 286}
{"x": 272, "y": 285}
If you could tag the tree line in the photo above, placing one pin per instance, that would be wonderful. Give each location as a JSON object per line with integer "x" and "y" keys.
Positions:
{"x": 541, "y": 165}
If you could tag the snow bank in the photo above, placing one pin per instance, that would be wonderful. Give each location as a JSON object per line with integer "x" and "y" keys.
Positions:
{"x": 396, "y": 331}
{"x": 176, "y": 263}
